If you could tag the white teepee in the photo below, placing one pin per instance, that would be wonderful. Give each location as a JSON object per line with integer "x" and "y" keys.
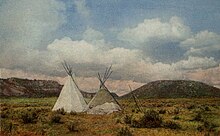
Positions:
{"x": 70, "y": 98}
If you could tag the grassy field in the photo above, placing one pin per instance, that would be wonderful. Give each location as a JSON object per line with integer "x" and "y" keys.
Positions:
{"x": 164, "y": 117}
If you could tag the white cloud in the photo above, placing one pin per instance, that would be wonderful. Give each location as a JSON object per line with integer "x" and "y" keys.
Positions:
{"x": 165, "y": 40}
{"x": 94, "y": 37}
{"x": 25, "y": 28}
{"x": 88, "y": 59}
{"x": 91, "y": 34}
{"x": 84, "y": 52}
{"x": 127, "y": 63}
{"x": 148, "y": 71}
{"x": 74, "y": 51}
{"x": 81, "y": 8}
{"x": 155, "y": 30}
{"x": 210, "y": 76}
{"x": 92, "y": 53}
{"x": 204, "y": 43}
{"x": 201, "y": 39}
{"x": 27, "y": 22}
{"x": 195, "y": 63}
{"x": 82, "y": 55}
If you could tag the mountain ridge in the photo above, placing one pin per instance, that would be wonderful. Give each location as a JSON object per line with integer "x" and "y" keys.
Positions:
{"x": 174, "y": 89}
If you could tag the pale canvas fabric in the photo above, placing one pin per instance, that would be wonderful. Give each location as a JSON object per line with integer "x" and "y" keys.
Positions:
{"x": 101, "y": 97}
{"x": 70, "y": 98}
{"x": 102, "y": 103}
{"x": 105, "y": 108}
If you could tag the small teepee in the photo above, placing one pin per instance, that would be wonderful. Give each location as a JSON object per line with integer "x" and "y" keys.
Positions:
{"x": 103, "y": 102}
{"x": 70, "y": 98}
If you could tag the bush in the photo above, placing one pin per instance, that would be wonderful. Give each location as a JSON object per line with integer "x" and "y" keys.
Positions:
{"x": 7, "y": 113}
{"x": 72, "y": 126}
{"x": 61, "y": 111}
{"x": 29, "y": 116}
{"x": 124, "y": 132}
{"x": 118, "y": 120}
{"x": 206, "y": 127}
{"x": 190, "y": 107}
{"x": 198, "y": 117}
{"x": 209, "y": 126}
{"x": 6, "y": 126}
{"x": 207, "y": 108}
{"x": 200, "y": 128}
{"x": 176, "y": 117}
{"x": 151, "y": 119}
{"x": 135, "y": 123}
{"x": 135, "y": 110}
{"x": 162, "y": 111}
{"x": 176, "y": 111}
{"x": 172, "y": 125}
{"x": 127, "y": 119}
{"x": 55, "y": 118}
{"x": 4, "y": 114}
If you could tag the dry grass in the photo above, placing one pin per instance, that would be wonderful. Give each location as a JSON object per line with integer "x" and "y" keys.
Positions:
{"x": 180, "y": 111}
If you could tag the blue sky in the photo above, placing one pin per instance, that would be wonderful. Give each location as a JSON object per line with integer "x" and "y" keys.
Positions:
{"x": 149, "y": 38}
{"x": 198, "y": 14}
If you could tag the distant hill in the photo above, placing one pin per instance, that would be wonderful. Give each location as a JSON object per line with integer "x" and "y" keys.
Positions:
{"x": 29, "y": 88}
{"x": 174, "y": 89}
{"x": 16, "y": 87}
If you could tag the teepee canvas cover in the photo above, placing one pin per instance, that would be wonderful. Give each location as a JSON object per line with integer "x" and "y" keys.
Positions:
{"x": 103, "y": 102}
{"x": 70, "y": 98}
{"x": 101, "y": 97}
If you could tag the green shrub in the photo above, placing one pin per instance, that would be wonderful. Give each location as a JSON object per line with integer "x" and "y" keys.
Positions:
{"x": 135, "y": 110}
{"x": 207, "y": 108}
{"x": 176, "y": 111}
{"x": 125, "y": 131}
{"x": 118, "y": 120}
{"x": 176, "y": 117}
{"x": 190, "y": 107}
{"x": 135, "y": 123}
{"x": 29, "y": 116}
{"x": 207, "y": 126}
{"x": 172, "y": 125}
{"x": 198, "y": 117}
{"x": 4, "y": 114}
{"x": 42, "y": 118}
{"x": 150, "y": 119}
{"x": 6, "y": 126}
{"x": 4, "y": 108}
{"x": 159, "y": 105}
{"x": 61, "y": 111}
{"x": 162, "y": 111}
{"x": 127, "y": 119}
{"x": 200, "y": 128}
{"x": 71, "y": 126}
{"x": 217, "y": 133}
{"x": 55, "y": 118}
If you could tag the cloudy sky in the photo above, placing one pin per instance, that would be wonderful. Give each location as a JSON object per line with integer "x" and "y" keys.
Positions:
{"x": 144, "y": 40}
